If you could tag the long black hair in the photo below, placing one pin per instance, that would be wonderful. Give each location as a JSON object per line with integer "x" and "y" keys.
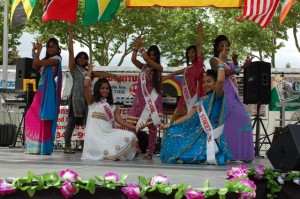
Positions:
{"x": 217, "y": 41}
{"x": 187, "y": 51}
{"x": 97, "y": 95}
{"x": 55, "y": 42}
{"x": 212, "y": 73}
{"x": 155, "y": 76}
{"x": 86, "y": 57}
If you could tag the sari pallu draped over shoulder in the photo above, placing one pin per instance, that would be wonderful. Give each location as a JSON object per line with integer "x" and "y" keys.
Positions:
{"x": 185, "y": 142}
{"x": 51, "y": 94}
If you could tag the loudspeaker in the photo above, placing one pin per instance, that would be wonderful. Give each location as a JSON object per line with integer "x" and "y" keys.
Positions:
{"x": 284, "y": 153}
{"x": 257, "y": 83}
{"x": 24, "y": 70}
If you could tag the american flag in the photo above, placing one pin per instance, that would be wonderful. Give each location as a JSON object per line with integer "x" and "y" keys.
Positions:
{"x": 260, "y": 11}
{"x": 286, "y": 6}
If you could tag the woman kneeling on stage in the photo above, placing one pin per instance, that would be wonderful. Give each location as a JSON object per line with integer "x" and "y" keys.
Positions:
{"x": 102, "y": 140}
{"x": 198, "y": 136}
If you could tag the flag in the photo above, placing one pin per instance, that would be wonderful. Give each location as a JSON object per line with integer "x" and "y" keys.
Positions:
{"x": 286, "y": 6}
{"x": 62, "y": 10}
{"x": 21, "y": 11}
{"x": 184, "y": 3}
{"x": 99, "y": 10}
{"x": 260, "y": 11}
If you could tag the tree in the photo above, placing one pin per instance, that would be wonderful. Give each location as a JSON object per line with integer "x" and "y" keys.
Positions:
{"x": 249, "y": 37}
{"x": 292, "y": 20}
{"x": 13, "y": 37}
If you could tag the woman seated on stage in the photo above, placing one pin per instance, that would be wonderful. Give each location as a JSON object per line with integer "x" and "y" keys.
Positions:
{"x": 198, "y": 136}
{"x": 102, "y": 140}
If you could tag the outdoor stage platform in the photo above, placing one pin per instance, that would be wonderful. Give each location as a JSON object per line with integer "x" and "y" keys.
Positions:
{"x": 14, "y": 163}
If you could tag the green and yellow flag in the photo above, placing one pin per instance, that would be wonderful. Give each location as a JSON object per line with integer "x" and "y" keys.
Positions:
{"x": 21, "y": 11}
{"x": 99, "y": 10}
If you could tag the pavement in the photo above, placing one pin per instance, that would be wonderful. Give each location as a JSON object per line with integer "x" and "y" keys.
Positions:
{"x": 14, "y": 163}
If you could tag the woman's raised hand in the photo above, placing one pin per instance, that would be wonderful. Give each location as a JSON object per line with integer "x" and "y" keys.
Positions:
{"x": 248, "y": 61}
{"x": 138, "y": 42}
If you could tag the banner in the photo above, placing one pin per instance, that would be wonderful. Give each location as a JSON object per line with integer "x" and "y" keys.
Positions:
{"x": 184, "y": 3}
{"x": 285, "y": 89}
{"x": 64, "y": 10}
{"x": 99, "y": 11}
{"x": 79, "y": 131}
{"x": 21, "y": 11}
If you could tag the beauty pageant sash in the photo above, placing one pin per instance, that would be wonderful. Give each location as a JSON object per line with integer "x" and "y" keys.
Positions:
{"x": 212, "y": 134}
{"x": 150, "y": 108}
{"x": 189, "y": 101}
{"x": 108, "y": 113}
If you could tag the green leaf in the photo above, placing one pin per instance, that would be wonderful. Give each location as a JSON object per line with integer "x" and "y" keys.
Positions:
{"x": 30, "y": 175}
{"x": 207, "y": 184}
{"x": 31, "y": 192}
{"x": 143, "y": 180}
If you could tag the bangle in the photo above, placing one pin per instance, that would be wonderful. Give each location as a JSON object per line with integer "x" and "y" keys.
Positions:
{"x": 221, "y": 67}
{"x": 135, "y": 50}
{"x": 142, "y": 50}
{"x": 86, "y": 77}
{"x": 34, "y": 54}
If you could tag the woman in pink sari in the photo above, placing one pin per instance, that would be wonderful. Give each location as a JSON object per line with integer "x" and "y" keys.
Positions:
{"x": 146, "y": 109}
{"x": 41, "y": 117}
{"x": 192, "y": 87}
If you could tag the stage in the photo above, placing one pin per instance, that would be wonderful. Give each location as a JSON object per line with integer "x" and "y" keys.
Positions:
{"x": 14, "y": 163}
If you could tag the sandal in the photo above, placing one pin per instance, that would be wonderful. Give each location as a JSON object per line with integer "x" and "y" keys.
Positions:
{"x": 68, "y": 151}
{"x": 147, "y": 157}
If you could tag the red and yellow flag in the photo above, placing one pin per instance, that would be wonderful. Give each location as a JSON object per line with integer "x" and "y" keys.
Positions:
{"x": 184, "y": 3}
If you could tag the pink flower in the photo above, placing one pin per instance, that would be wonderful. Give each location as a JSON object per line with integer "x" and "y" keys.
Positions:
{"x": 248, "y": 195}
{"x": 132, "y": 191}
{"x": 6, "y": 188}
{"x": 192, "y": 194}
{"x": 68, "y": 175}
{"x": 111, "y": 176}
{"x": 240, "y": 171}
{"x": 67, "y": 189}
{"x": 259, "y": 172}
{"x": 159, "y": 179}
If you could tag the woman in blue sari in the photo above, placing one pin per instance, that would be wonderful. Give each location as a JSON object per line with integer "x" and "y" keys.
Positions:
{"x": 198, "y": 136}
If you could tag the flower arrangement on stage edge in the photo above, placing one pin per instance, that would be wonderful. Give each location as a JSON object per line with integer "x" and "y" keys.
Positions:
{"x": 70, "y": 184}
{"x": 273, "y": 178}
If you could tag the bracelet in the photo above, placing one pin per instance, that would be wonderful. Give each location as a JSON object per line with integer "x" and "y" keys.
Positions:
{"x": 238, "y": 70}
{"x": 142, "y": 50}
{"x": 86, "y": 77}
{"x": 135, "y": 50}
{"x": 221, "y": 67}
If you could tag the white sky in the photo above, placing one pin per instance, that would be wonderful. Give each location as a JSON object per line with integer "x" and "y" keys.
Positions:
{"x": 287, "y": 54}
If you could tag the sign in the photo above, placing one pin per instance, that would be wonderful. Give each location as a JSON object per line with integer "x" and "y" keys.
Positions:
{"x": 285, "y": 89}
{"x": 79, "y": 131}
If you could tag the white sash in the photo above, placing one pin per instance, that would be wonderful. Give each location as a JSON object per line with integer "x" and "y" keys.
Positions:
{"x": 108, "y": 113}
{"x": 150, "y": 108}
{"x": 212, "y": 134}
{"x": 189, "y": 102}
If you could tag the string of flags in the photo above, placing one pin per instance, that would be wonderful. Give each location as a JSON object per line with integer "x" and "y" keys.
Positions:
{"x": 258, "y": 11}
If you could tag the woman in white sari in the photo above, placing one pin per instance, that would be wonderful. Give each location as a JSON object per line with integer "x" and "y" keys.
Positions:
{"x": 102, "y": 140}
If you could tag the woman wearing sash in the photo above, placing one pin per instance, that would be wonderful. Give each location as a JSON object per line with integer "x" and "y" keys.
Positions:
{"x": 102, "y": 140}
{"x": 77, "y": 103}
{"x": 192, "y": 77}
{"x": 238, "y": 128}
{"x": 146, "y": 109}
{"x": 41, "y": 117}
{"x": 198, "y": 136}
